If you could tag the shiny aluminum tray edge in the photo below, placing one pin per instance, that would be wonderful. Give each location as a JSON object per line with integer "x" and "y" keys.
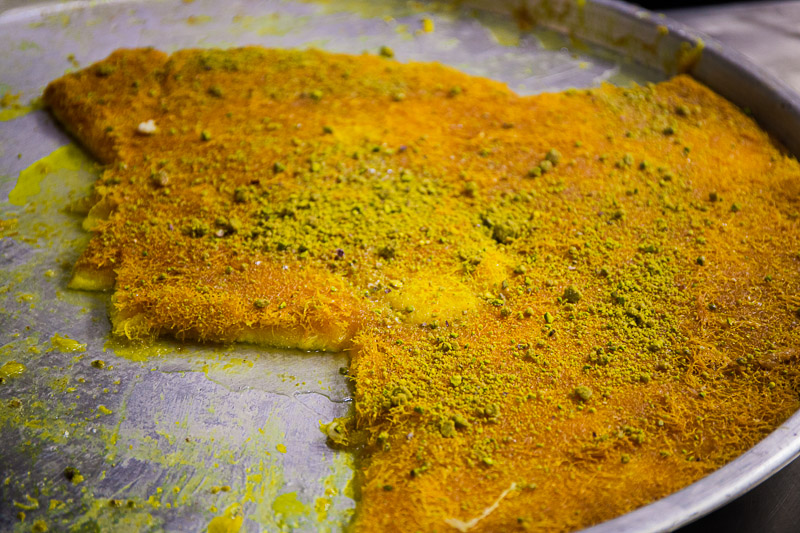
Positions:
{"x": 634, "y": 32}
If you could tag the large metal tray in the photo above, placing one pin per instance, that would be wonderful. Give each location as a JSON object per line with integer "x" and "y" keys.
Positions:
{"x": 186, "y": 421}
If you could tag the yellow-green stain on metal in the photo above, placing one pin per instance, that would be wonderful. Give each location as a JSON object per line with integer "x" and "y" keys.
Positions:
{"x": 288, "y": 506}
{"x": 68, "y": 157}
{"x": 10, "y": 369}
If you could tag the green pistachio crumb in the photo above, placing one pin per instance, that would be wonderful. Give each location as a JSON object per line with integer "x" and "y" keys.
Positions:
{"x": 504, "y": 233}
{"x": 240, "y": 195}
{"x": 385, "y": 51}
{"x": 387, "y": 252}
{"x": 583, "y": 393}
{"x": 470, "y": 189}
{"x": 461, "y": 421}
{"x": 196, "y": 228}
{"x": 655, "y": 346}
{"x": 71, "y": 473}
{"x": 205, "y": 135}
{"x": 447, "y": 428}
{"x": 553, "y": 155}
{"x": 159, "y": 179}
{"x": 336, "y": 431}
{"x": 260, "y": 303}
{"x": 571, "y": 295}
{"x": 105, "y": 70}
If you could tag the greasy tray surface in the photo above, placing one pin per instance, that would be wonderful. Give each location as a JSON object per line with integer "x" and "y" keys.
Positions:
{"x": 178, "y": 424}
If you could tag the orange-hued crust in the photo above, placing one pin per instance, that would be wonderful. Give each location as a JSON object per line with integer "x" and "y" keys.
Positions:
{"x": 559, "y": 307}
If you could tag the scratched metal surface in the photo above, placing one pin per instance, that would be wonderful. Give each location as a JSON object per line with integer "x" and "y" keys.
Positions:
{"x": 186, "y": 418}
